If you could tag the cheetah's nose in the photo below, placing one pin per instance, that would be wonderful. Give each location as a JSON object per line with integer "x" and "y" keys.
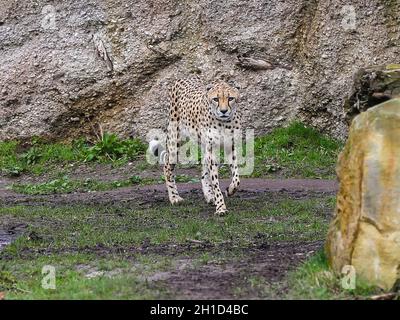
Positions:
{"x": 224, "y": 111}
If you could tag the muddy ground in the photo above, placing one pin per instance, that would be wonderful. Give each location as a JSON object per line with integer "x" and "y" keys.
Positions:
{"x": 263, "y": 258}
{"x": 140, "y": 195}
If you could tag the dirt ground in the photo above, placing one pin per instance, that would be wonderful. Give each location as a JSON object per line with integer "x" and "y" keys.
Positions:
{"x": 269, "y": 260}
{"x": 157, "y": 192}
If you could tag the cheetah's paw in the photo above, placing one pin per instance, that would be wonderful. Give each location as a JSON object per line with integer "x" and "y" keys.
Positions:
{"x": 221, "y": 212}
{"x": 176, "y": 200}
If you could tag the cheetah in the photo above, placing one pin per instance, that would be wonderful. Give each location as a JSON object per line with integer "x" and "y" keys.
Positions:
{"x": 206, "y": 115}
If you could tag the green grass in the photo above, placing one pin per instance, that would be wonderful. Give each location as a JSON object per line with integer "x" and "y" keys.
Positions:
{"x": 292, "y": 151}
{"x": 106, "y": 238}
{"x": 66, "y": 185}
{"x": 315, "y": 280}
{"x": 82, "y": 276}
{"x": 81, "y": 226}
{"x": 40, "y": 157}
{"x": 9, "y": 161}
{"x": 296, "y": 151}
{"x": 54, "y": 235}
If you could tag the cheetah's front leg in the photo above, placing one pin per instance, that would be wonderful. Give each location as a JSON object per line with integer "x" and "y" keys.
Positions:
{"x": 206, "y": 185}
{"x": 173, "y": 195}
{"x": 230, "y": 151}
{"x": 212, "y": 164}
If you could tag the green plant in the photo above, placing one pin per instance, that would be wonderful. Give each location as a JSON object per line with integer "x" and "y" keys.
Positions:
{"x": 54, "y": 186}
{"x": 111, "y": 147}
{"x": 13, "y": 171}
{"x": 136, "y": 179}
{"x": 9, "y": 162}
{"x": 32, "y": 156}
{"x": 7, "y": 281}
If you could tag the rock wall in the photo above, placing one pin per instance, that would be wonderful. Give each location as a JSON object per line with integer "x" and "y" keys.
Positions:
{"x": 68, "y": 65}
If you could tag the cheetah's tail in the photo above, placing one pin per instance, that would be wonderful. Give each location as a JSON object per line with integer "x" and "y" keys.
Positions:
{"x": 157, "y": 149}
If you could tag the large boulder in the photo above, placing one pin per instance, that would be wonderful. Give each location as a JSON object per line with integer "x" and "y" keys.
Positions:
{"x": 365, "y": 231}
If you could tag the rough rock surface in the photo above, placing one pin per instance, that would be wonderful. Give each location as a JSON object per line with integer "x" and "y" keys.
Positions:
{"x": 67, "y": 65}
{"x": 372, "y": 85}
{"x": 365, "y": 232}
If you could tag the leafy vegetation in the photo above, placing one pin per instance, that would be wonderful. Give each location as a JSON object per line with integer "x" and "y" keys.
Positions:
{"x": 112, "y": 148}
{"x": 293, "y": 151}
{"x": 40, "y": 156}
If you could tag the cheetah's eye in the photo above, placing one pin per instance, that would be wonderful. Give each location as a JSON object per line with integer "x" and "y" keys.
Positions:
{"x": 215, "y": 99}
{"x": 231, "y": 98}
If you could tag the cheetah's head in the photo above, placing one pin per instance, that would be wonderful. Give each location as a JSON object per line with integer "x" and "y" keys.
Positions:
{"x": 222, "y": 99}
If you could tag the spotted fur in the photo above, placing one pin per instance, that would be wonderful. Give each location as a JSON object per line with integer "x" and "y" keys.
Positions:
{"x": 207, "y": 115}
